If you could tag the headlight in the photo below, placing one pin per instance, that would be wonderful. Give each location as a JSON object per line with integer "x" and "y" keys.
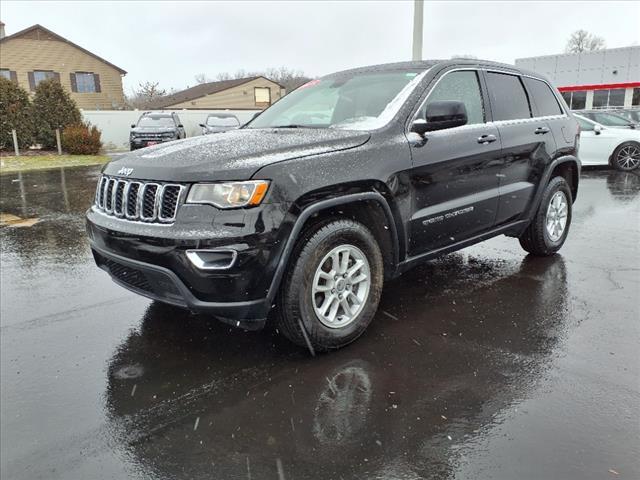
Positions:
{"x": 229, "y": 195}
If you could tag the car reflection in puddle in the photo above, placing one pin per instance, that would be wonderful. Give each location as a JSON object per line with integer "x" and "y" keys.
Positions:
{"x": 402, "y": 402}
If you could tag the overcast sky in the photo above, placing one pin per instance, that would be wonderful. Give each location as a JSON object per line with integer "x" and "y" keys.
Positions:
{"x": 171, "y": 42}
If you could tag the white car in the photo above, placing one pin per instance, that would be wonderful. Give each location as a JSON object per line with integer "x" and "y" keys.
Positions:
{"x": 600, "y": 145}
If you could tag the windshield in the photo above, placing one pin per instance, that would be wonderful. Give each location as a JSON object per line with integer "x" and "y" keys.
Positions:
{"x": 213, "y": 121}
{"x": 156, "y": 121}
{"x": 610, "y": 120}
{"x": 363, "y": 101}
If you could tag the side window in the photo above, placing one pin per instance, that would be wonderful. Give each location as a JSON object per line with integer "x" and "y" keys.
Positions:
{"x": 543, "y": 98}
{"x": 508, "y": 98}
{"x": 584, "y": 125}
{"x": 462, "y": 86}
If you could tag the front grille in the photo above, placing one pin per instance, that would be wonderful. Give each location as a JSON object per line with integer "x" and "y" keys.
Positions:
{"x": 141, "y": 201}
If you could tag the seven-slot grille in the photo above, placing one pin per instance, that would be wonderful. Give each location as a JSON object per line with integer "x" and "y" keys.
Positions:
{"x": 135, "y": 200}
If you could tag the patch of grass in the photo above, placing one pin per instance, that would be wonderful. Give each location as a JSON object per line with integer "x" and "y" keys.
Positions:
{"x": 43, "y": 162}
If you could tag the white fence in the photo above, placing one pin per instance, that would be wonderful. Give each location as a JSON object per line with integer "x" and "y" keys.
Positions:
{"x": 115, "y": 125}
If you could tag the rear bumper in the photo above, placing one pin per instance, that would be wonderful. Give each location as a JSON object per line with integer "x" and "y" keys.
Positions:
{"x": 159, "y": 283}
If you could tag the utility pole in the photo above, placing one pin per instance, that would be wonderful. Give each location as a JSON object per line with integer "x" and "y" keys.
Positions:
{"x": 418, "y": 14}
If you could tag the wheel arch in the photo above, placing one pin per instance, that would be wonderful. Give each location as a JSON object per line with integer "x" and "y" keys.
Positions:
{"x": 315, "y": 207}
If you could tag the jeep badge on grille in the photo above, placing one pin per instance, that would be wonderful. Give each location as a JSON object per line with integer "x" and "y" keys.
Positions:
{"x": 125, "y": 171}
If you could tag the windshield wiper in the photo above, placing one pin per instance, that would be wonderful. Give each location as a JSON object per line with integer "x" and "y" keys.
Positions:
{"x": 294, "y": 125}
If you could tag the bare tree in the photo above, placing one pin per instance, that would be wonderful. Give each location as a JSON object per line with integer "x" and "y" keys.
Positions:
{"x": 288, "y": 78}
{"x": 583, "y": 41}
{"x": 202, "y": 78}
{"x": 146, "y": 91}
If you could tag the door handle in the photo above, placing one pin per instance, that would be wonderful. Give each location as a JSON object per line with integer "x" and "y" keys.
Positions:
{"x": 486, "y": 139}
{"x": 541, "y": 130}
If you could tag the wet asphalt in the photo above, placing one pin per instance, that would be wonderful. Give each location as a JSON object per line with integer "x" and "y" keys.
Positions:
{"x": 484, "y": 364}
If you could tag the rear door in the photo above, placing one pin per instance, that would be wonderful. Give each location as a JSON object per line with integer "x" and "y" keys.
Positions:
{"x": 527, "y": 143}
{"x": 454, "y": 176}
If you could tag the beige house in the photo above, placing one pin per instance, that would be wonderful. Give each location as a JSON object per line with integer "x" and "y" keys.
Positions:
{"x": 35, "y": 53}
{"x": 240, "y": 94}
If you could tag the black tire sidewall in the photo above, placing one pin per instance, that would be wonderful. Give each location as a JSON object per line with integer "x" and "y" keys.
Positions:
{"x": 556, "y": 184}
{"x": 614, "y": 157}
{"x": 300, "y": 285}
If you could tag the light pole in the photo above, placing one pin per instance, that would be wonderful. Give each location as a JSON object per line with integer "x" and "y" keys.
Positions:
{"x": 418, "y": 13}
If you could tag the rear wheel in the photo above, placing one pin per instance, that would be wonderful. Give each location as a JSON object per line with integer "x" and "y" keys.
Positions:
{"x": 626, "y": 157}
{"x": 333, "y": 286}
{"x": 550, "y": 225}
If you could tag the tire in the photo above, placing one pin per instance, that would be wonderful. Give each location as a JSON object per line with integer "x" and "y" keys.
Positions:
{"x": 298, "y": 304}
{"x": 539, "y": 240}
{"x": 626, "y": 157}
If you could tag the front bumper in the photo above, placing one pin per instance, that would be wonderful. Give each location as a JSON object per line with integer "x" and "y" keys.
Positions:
{"x": 136, "y": 143}
{"x": 151, "y": 259}
{"x": 162, "y": 284}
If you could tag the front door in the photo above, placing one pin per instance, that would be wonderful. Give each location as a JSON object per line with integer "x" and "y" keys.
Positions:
{"x": 455, "y": 171}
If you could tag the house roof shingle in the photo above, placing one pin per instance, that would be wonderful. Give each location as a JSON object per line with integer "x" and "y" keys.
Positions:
{"x": 62, "y": 39}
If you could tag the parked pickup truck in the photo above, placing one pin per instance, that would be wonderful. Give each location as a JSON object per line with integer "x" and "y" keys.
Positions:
{"x": 353, "y": 178}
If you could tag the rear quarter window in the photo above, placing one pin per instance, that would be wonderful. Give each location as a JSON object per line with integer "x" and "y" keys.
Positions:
{"x": 509, "y": 100}
{"x": 544, "y": 101}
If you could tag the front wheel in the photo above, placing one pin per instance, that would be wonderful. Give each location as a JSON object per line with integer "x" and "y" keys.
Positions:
{"x": 626, "y": 157}
{"x": 333, "y": 286}
{"x": 549, "y": 228}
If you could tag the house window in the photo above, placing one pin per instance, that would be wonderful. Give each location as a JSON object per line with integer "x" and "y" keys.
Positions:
{"x": 5, "y": 73}
{"x": 85, "y": 82}
{"x": 262, "y": 96}
{"x": 40, "y": 75}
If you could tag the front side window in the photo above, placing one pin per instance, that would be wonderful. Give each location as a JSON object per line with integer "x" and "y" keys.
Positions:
{"x": 462, "y": 86}
{"x": 610, "y": 119}
{"x": 40, "y": 75}
{"x": 585, "y": 126}
{"x": 354, "y": 101}
{"x": 508, "y": 98}
{"x": 85, "y": 82}
{"x": 543, "y": 98}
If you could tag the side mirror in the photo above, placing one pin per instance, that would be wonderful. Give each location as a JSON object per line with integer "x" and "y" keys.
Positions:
{"x": 201, "y": 124}
{"x": 441, "y": 115}
{"x": 133, "y": 125}
{"x": 180, "y": 126}
{"x": 597, "y": 129}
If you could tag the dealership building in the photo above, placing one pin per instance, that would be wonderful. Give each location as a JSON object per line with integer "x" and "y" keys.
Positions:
{"x": 591, "y": 80}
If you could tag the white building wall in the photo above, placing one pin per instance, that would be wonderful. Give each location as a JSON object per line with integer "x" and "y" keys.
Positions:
{"x": 115, "y": 125}
{"x": 614, "y": 65}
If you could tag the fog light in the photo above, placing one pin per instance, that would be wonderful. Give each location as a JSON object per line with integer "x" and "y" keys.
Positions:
{"x": 212, "y": 259}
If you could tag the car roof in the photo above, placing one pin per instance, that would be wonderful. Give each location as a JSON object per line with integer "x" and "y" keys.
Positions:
{"x": 427, "y": 64}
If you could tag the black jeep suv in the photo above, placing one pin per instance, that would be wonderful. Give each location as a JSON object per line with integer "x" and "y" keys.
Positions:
{"x": 347, "y": 181}
{"x": 155, "y": 127}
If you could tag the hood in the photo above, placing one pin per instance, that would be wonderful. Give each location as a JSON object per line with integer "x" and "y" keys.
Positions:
{"x": 231, "y": 155}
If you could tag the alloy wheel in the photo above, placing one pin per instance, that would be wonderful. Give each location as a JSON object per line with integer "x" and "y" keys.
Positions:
{"x": 340, "y": 286}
